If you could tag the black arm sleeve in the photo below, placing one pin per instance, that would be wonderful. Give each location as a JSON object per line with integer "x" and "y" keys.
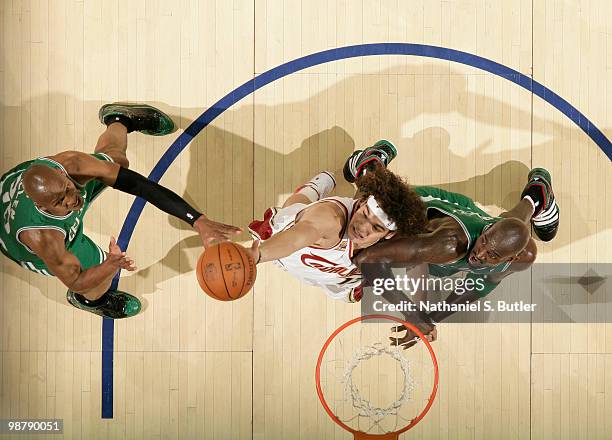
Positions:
{"x": 171, "y": 203}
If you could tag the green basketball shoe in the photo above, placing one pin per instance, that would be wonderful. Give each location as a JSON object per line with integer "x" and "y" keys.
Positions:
{"x": 113, "y": 304}
{"x": 382, "y": 152}
{"x": 137, "y": 117}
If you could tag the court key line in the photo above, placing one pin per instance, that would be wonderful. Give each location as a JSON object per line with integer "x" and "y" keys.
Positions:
{"x": 296, "y": 65}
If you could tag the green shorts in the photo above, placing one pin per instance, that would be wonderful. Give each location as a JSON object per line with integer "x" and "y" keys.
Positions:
{"x": 83, "y": 247}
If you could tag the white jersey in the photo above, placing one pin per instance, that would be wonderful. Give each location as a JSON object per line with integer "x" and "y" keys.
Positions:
{"x": 329, "y": 268}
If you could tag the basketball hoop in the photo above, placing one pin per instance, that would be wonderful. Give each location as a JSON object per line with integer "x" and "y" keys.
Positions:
{"x": 396, "y": 364}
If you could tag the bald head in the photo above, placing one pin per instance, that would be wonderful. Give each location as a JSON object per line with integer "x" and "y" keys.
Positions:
{"x": 511, "y": 236}
{"x": 40, "y": 180}
{"x": 51, "y": 190}
{"x": 501, "y": 243}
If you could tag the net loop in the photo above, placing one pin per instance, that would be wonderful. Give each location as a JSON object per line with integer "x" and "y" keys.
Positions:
{"x": 364, "y": 407}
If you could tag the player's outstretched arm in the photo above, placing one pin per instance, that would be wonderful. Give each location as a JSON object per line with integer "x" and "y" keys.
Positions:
{"x": 85, "y": 167}
{"x": 49, "y": 245}
{"x": 436, "y": 247}
{"x": 319, "y": 222}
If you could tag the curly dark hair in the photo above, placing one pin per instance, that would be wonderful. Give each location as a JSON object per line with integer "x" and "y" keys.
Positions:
{"x": 399, "y": 201}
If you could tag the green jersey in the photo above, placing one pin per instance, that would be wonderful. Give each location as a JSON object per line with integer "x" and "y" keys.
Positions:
{"x": 19, "y": 213}
{"x": 473, "y": 220}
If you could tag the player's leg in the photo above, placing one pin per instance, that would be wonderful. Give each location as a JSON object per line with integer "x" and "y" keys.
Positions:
{"x": 523, "y": 211}
{"x": 122, "y": 119}
{"x": 381, "y": 153}
{"x": 100, "y": 300}
{"x": 113, "y": 142}
{"x": 318, "y": 187}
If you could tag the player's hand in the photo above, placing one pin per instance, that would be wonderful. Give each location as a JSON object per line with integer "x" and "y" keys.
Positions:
{"x": 410, "y": 338}
{"x": 254, "y": 251}
{"x": 212, "y": 232}
{"x": 117, "y": 258}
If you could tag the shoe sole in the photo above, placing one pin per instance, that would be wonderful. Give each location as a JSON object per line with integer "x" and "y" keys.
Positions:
{"x": 385, "y": 142}
{"x": 542, "y": 172}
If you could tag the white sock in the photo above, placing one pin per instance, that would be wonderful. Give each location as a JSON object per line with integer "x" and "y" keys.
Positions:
{"x": 318, "y": 187}
{"x": 533, "y": 204}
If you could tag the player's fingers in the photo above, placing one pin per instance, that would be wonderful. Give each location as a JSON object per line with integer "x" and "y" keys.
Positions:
{"x": 222, "y": 226}
{"x": 129, "y": 265}
{"x": 229, "y": 229}
{"x": 223, "y": 236}
{"x": 215, "y": 238}
{"x": 398, "y": 328}
{"x": 208, "y": 242}
{"x": 397, "y": 341}
{"x": 433, "y": 335}
{"x": 402, "y": 342}
{"x": 409, "y": 344}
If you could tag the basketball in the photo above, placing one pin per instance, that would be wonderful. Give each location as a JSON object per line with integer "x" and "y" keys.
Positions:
{"x": 226, "y": 272}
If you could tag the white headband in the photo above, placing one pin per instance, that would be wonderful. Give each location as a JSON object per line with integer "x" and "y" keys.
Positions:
{"x": 382, "y": 216}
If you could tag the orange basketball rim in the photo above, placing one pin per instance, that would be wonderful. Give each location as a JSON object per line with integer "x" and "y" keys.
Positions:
{"x": 359, "y": 435}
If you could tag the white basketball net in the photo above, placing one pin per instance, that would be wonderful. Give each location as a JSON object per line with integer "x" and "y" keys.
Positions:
{"x": 365, "y": 408}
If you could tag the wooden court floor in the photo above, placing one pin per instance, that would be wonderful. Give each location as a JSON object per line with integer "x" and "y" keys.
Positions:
{"x": 191, "y": 368}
